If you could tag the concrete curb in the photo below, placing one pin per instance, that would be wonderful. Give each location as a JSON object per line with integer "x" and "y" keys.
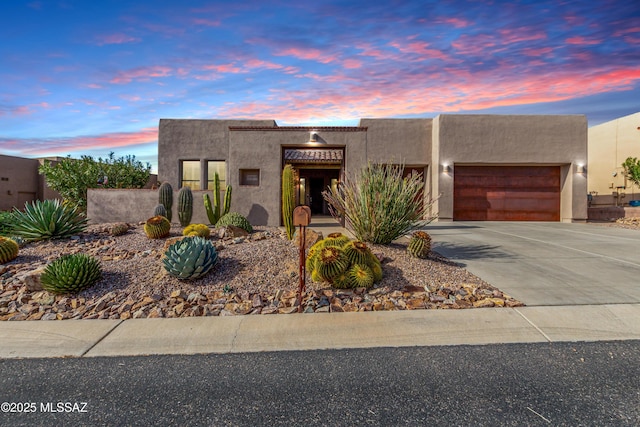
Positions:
{"x": 195, "y": 335}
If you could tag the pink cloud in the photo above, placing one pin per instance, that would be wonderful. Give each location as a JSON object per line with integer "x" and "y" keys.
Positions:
{"x": 307, "y": 54}
{"x": 47, "y": 146}
{"x": 118, "y": 38}
{"x": 537, "y": 51}
{"x": 141, "y": 74}
{"x": 421, "y": 49}
{"x": 582, "y": 41}
{"x": 206, "y": 22}
{"x": 455, "y": 22}
{"x": 351, "y": 63}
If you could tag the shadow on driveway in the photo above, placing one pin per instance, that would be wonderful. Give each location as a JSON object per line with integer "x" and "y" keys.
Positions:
{"x": 458, "y": 253}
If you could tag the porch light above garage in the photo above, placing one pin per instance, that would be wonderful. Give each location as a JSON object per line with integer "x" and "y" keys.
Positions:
{"x": 446, "y": 168}
{"x": 313, "y": 136}
{"x": 580, "y": 168}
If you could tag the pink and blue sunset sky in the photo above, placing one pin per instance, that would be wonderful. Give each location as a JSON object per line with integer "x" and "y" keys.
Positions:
{"x": 89, "y": 77}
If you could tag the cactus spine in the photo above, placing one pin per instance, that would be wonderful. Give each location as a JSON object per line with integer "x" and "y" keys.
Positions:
{"x": 288, "y": 199}
{"x": 185, "y": 206}
{"x": 165, "y": 197}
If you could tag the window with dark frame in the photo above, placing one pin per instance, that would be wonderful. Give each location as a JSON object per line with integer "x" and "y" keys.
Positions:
{"x": 250, "y": 177}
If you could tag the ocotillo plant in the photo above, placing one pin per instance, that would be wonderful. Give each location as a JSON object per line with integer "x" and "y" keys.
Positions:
{"x": 288, "y": 199}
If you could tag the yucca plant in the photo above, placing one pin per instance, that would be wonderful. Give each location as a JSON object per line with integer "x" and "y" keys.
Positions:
{"x": 49, "y": 219}
{"x": 379, "y": 205}
{"x": 190, "y": 258}
{"x": 71, "y": 274}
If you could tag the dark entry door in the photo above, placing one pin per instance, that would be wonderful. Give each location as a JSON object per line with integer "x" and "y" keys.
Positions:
{"x": 316, "y": 187}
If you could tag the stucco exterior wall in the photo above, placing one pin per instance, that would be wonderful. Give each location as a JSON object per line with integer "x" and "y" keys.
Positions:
{"x": 180, "y": 139}
{"x": 262, "y": 149}
{"x": 511, "y": 140}
{"x": 610, "y": 144}
{"x": 405, "y": 141}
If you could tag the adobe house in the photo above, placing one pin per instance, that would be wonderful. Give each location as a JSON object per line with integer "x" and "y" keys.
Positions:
{"x": 484, "y": 167}
{"x": 610, "y": 144}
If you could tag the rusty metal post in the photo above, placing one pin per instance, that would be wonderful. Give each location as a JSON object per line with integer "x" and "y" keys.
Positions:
{"x": 302, "y": 218}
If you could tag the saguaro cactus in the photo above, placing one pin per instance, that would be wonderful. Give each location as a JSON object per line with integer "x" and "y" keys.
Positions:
{"x": 165, "y": 197}
{"x": 185, "y": 206}
{"x": 288, "y": 199}
{"x": 227, "y": 201}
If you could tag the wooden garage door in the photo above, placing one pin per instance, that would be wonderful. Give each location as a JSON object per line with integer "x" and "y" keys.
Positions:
{"x": 506, "y": 193}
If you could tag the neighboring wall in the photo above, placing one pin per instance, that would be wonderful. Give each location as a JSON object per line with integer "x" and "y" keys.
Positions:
{"x": 610, "y": 144}
{"x": 20, "y": 182}
{"x": 511, "y": 140}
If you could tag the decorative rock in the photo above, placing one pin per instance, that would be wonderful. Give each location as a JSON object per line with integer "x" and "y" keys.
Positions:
{"x": 311, "y": 237}
{"x": 288, "y": 310}
{"x": 32, "y": 280}
{"x": 231, "y": 231}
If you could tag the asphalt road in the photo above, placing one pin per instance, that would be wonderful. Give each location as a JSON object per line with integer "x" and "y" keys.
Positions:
{"x": 591, "y": 384}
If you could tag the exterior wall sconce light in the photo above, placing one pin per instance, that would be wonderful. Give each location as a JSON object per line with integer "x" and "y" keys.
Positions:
{"x": 446, "y": 169}
{"x": 313, "y": 136}
{"x": 580, "y": 168}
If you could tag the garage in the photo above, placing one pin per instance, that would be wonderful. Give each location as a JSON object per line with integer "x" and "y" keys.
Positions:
{"x": 506, "y": 193}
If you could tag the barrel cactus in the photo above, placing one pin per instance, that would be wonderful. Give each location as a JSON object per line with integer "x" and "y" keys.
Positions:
{"x": 336, "y": 239}
{"x": 185, "y": 206}
{"x": 331, "y": 263}
{"x": 71, "y": 274}
{"x": 201, "y": 230}
{"x": 359, "y": 276}
{"x": 234, "y": 218}
{"x": 160, "y": 210}
{"x": 420, "y": 244}
{"x": 344, "y": 265}
{"x": 8, "y": 250}
{"x": 165, "y": 197}
{"x": 357, "y": 252}
{"x": 119, "y": 229}
{"x": 190, "y": 258}
{"x": 157, "y": 227}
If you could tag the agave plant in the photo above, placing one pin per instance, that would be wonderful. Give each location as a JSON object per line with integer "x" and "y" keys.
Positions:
{"x": 190, "y": 258}
{"x": 71, "y": 274}
{"x": 49, "y": 219}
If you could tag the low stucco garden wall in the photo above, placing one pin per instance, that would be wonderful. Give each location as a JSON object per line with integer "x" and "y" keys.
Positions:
{"x": 120, "y": 205}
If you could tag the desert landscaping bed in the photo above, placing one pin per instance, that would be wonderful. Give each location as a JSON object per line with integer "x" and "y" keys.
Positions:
{"x": 256, "y": 274}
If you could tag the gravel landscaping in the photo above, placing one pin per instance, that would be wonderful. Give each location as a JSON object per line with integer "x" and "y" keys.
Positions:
{"x": 256, "y": 274}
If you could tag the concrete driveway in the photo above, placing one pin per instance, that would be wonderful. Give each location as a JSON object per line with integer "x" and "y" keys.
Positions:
{"x": 547, "y": 263}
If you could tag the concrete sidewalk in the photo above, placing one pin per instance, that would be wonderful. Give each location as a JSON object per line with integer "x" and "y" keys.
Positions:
{"x": 89, "y": 338}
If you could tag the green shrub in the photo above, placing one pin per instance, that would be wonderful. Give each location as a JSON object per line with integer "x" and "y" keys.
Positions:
{"x": 190, "y": 258}
{"x": 47, "y": 220}
{"x": 72, "y": 177}
{"x": 234, "y": 218}
{"x": 6, "y": 219}
{"x": 71, "y": 274}
{"x": 379, "y": 205}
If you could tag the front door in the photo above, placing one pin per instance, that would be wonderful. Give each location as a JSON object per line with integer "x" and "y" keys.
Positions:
{"x": 316, "y": 201}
